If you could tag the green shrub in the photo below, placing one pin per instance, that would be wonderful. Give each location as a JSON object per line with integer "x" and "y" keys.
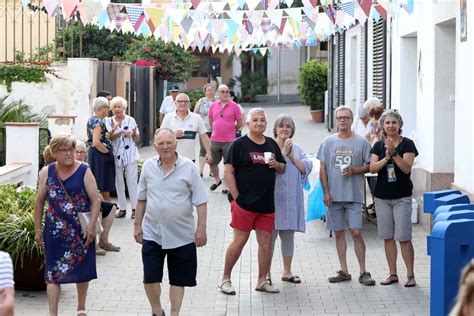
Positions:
{"x": 252, "y": 84}
{"x": 194, "y": 96}
{"x": 17, "y": 227}
{"x": 313, "y": 83}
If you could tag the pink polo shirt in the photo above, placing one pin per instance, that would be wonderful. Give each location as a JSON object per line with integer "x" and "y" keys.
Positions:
{"x": 223, "y": 121}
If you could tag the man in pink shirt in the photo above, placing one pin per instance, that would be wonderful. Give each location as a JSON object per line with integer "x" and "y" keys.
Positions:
{"x": 225, "y": 118}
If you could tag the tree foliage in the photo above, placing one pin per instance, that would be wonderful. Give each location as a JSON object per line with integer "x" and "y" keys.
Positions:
{"x": 171, "y": 62}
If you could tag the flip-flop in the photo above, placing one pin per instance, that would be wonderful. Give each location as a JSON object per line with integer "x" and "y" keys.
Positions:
{"x": 292, "y": 279}
{"x": 392, "y": 278}
{"x": 267, "y": 288}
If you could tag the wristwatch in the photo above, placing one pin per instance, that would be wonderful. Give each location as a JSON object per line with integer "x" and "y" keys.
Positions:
{"x": 395, "y": 154}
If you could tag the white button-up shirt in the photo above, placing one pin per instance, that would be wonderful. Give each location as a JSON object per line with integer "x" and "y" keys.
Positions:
{"x": 170, "y": 197}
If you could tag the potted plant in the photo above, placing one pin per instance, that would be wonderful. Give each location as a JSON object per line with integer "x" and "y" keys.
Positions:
{"x": 17, "y": 237}
{"x": 313, "y": 84}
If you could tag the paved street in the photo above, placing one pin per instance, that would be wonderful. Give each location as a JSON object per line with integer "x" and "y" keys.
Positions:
{"x": 119, "y": 289}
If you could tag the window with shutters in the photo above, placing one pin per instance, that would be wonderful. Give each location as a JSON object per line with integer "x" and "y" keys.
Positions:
{"x": 379, "y": 61}
{"x": 341, "y": 67}
{"x": 363, "y": 63}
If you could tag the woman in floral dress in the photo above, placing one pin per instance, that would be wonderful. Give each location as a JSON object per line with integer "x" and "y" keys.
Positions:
{"x": 69, "y": 187}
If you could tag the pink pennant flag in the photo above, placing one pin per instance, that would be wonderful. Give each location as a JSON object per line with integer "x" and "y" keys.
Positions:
{"x": 195, "y": 3}
{"x": 381, "y": 11}
{"x": 69, "y": 8}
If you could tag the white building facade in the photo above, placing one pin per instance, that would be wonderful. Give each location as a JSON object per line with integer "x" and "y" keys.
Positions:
{"x": 422, "y": 65}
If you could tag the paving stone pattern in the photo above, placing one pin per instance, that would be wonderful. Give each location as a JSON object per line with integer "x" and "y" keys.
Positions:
{"x": 119, "y": 289}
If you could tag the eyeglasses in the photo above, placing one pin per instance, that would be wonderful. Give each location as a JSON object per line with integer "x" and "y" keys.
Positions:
{"x": 222, "y": 112}
{"x": 343, "y": 118}
{"x": 224, "y": 91}
{"x": 66, "y": 150}
{"x": 80, "y": 152}
{"x": 182, "y": 101}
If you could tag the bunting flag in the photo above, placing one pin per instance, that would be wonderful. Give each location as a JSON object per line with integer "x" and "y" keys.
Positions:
{"x": 381, "y": 11}
{"x": 365, "y": 5}
{"x": 50, "y": 6}
{"x": 348, "y": 7}
{"x": 231, "y": 25}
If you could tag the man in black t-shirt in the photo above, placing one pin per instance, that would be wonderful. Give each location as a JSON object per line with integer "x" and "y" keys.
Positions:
{"x": 250, "y": 165}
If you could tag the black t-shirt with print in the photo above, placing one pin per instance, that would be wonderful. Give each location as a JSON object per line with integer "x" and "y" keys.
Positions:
{"x": 255, "y": 180}
{"x": 403, "y": 186}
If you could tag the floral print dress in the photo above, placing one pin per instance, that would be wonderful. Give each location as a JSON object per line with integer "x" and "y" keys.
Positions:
{"x": 67, "y": 261}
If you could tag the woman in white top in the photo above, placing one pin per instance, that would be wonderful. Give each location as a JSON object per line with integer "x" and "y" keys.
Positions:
{"x": 202, "y": 108}
{"x": 7, "y": 292}
{"x": 123, "y": 134}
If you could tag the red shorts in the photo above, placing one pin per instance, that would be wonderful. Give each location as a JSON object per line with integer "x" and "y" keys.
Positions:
{"x": 246, "y": 221}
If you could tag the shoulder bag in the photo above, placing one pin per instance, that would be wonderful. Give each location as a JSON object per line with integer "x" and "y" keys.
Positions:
{"x": 84, "y": 217}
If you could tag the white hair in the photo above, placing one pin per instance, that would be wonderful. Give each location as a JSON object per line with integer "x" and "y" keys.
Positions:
{"x": 81, "y": 145}
{"x": 99, "y": 103}
{"x": 370, "y": 102}
{"x": 119, "y": 100}
{"x": 254, "y": 111}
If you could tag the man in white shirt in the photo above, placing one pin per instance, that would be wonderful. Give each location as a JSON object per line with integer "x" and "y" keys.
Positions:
{"x": 187, "y": 125}
{"x": 169, "y": 187}
{"x": 169, "y": 105}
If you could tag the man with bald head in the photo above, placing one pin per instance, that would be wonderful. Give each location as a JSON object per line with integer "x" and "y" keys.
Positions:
{"x": 225, "y": 119}
{"x": 169, "y": 187}
{"x": 187, "y": 125}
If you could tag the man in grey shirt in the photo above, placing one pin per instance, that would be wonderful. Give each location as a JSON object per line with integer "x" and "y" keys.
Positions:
{"x": 169, "y": 187}
{"x": 344, "y": 158}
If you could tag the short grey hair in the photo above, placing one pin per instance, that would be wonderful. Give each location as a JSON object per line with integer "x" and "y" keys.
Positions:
{"x": 81, "y": 145}
{"x": 99, "y": 103}
{"x": 254, "y": 111}
{"x": 161, "y": 129}
{"x": 280, "y": 121}
{"x": 370, "y": 102}
{"x": 362, "y": 112}
{"x": 344, "y": 108}
{"x": 119, "y": 100}
{"x": 396, "y": 115}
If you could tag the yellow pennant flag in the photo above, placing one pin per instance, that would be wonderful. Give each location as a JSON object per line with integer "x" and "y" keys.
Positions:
{"x": 155, "y": 15}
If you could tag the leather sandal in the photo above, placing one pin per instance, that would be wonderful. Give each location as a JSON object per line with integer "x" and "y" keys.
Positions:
{"x": 121, "y": 214}
{"x": 410, "y": 281}
{"x": 392, "y": 278}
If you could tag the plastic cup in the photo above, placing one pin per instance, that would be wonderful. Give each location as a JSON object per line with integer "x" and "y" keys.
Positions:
{"x": 267, "y": 155}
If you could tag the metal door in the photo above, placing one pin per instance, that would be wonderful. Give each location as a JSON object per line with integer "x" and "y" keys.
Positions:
{"x": 107, "y": 77}
{"x": 142, "y": 102}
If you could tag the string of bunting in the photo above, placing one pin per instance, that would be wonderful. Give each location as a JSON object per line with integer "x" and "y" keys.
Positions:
{"x": 232, "y": 26}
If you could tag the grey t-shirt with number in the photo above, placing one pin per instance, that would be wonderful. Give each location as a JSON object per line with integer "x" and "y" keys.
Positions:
{"x": 336, "y": 152}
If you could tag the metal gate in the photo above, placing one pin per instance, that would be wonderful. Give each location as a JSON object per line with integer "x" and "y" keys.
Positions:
{"x": 25, "y": 30}
{"x": 142, "y": 102}
{"x": 107, "y": 77}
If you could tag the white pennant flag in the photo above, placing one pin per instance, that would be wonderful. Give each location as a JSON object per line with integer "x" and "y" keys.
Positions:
{"x": 236, "y": 16}
{"x": 295, "y": 14}
{"x": 275, "y": 16}
{"x": 176, "y": 15}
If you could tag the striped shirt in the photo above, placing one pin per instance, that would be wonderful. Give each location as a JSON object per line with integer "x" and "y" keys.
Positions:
{"x": 6, "y": 270}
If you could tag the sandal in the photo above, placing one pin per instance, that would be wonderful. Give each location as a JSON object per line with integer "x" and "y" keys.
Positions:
{"x": 121, "y": 214}
{"x": 267, "y": 288}
{"x": 410, "y": 281}
{"x": 292, "y": 279}
{"x": 109, "y": 247}
{"x": 392, "y": 278}
{"x": 226, "y": 287}
{"x": 81, "y": 312}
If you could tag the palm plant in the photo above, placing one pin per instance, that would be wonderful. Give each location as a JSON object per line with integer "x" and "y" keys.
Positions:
{"x": 17, "y": 111}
